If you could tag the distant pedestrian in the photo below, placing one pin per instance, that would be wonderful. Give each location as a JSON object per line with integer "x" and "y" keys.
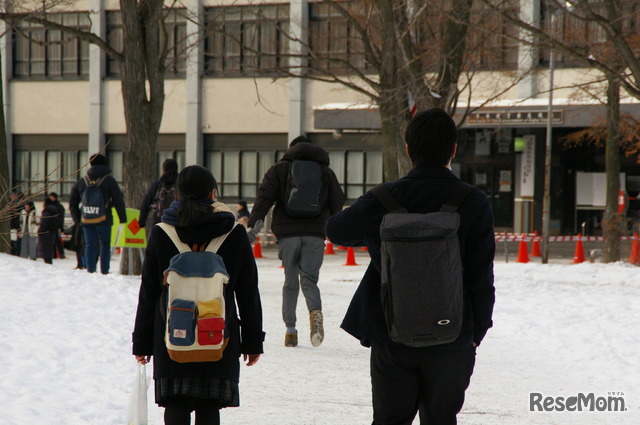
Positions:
{"x": 59, "y": 247}
{"x": 16, "y": 206}
{"x": 299, "y": 216}
{"x": 28, "y": 233}
{"x": 160, "y": 196}
{"x": 242, "y": 214}
{"x": 97, "y": 235}
{"x": 48, "y": 231}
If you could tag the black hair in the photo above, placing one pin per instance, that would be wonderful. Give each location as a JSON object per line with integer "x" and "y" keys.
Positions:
{"x": 300, "y": 139}
{"x": 243, "y": 204}
{"x": 53, "y": 195}
{"x": 98, "y": 159}
{"x": 48, "y": 201}
{"x": 170, "y": 166}
{"x": 194, "y": 184}
{"x": 431, "y": 137}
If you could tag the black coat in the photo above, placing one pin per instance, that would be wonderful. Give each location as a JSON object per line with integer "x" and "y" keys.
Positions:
{"x": 148, "y": 335}
{"x": 110, "y": 191}
{"x": 150, "y": 199}
{"x": 273, "y": 190}
{"x": 422, "y": 190}
{"x": 60, "y": 214}
{"x": 47, "y": 232}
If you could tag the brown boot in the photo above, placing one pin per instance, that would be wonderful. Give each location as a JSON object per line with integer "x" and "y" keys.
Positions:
{"x": 317, "y": 330}
{"x": 291, "y": 339}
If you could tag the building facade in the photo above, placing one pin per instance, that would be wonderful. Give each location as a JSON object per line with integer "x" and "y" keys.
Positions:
{"x": 228, "y": 110}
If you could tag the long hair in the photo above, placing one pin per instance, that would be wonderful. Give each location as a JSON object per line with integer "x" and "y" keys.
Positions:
{"x": 194, "y": 184}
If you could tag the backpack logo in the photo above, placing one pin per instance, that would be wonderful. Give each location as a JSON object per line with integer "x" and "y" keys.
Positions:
{"x": 421, "y": 271}
{"x": 94, "y": 207}
{"x": 305, "y": 193}
{"x": 165, "y": 195}
{"x": 196, "y": 320}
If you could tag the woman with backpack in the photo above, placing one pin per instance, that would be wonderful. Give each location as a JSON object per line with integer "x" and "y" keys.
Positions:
{"x": 205, "y": 386}
{"x": 160, "y": 195}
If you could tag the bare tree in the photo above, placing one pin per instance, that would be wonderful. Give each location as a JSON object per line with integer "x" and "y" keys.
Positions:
{"x": 141, "y": 62}
{"x": 597, "y": 34}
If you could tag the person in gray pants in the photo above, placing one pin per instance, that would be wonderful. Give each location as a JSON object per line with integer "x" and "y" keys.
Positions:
{"x": 302, "y": 206}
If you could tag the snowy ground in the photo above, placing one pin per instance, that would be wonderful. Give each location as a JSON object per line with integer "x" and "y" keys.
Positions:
{"x": 560, "y": 330}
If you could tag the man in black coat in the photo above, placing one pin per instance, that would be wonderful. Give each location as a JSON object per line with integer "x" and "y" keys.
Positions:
{"x": 60, "y": 221}
{"x": 430, "y": 380}
{"x": 98, "y": 234}
{"x": 300, "y": 239}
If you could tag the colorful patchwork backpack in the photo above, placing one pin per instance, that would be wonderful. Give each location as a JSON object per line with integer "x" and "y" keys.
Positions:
{"x": 196, "y": 281}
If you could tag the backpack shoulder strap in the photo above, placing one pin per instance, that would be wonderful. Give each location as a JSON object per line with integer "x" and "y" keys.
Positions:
{"x": 386, "y": 198}
{"x": 457, "y": 197}
{"x": 171, "y": 232}
{"x": 216, "y": 243}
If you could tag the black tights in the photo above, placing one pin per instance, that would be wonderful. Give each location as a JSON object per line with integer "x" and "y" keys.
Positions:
{"x": 178, "y": 411}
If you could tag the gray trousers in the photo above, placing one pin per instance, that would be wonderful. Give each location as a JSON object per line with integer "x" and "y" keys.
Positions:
{"x": 302, "y": 258}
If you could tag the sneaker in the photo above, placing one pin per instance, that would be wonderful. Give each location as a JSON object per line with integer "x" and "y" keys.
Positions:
{"x": 291, "y": 339}
{"x": 317, "y": 331}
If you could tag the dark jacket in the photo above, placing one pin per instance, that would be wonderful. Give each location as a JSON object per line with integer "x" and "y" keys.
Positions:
{"x": 148, "y": 336}
{"x": 110, "y": 191}
{"x": 60, "y": 214}
{"x": 273, "y": 190}
{"x": 47, "y": 232}
{"x": 422, "y": 190}
{"x": 150, "y": 199}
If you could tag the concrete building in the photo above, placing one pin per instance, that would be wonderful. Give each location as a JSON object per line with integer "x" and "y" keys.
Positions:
{"x": 63, "y": 101}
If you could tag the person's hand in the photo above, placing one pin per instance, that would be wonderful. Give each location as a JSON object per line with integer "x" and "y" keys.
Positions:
{"x": 252, "y": 232}
{"x": 143, "y": 359}
{"x": 252, "y": 358}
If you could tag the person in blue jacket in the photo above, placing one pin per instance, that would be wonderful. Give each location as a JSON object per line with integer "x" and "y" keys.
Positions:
{"x": 429, "y": 380}
{"x": 97, "y": 237}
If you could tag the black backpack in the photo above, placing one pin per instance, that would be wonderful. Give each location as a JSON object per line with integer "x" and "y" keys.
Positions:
{"x": 421, "y": 288}
{"x": 94, "y": 206}
{"x": 305, "y": 192}
{"x": 165, "y": 195}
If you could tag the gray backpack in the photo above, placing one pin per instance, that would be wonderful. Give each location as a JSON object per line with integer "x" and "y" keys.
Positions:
{"x": 422, "y": 291}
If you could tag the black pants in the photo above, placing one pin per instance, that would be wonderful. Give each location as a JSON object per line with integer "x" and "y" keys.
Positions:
{"x": 178, "y": 410}
{"x": 407, "y": 380}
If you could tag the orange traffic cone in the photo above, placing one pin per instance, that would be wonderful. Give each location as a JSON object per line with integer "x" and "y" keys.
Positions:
{"x": 634, "y": 258}
{"x": 523, "y": 257}
{"x": 351, "y": 257}
{"x": 578, "y": 256}
{"x": 328, "y": 249}
{"x": 257, "y": 249}
{"x": 535, "y": 245}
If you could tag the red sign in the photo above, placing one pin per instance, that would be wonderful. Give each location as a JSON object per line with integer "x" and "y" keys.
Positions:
{"x": 134, "y": 226}
{"x": 622, "y": 202}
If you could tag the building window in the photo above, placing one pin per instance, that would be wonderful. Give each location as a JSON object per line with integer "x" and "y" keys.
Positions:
{"x": 38, "y": 172}
{"x": 45, "y": 53}
{"x": 357, "y": 171}
{"x": 239, "y": 173}
{"x": 334, "y": 43}
{"x": 493, "y": 41}
{"x": 176, "y": 29}
{"x": 246, "y": 40}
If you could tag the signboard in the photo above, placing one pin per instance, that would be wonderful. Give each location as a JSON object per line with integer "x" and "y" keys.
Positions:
{"x": 528, "y": 168}
{"x": 132, "y": 236}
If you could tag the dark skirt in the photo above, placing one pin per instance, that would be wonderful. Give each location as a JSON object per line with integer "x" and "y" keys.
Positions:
{"x": 223, "y": 392}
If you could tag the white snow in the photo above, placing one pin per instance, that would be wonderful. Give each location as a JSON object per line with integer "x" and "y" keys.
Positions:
{"x": 559, "y": 330}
